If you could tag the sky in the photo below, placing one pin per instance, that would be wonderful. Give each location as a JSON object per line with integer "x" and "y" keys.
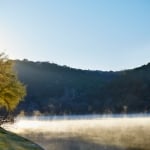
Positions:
{"x": 87, "y": 34}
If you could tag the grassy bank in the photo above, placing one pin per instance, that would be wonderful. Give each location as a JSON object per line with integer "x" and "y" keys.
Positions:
{"x": 11, "y": 141}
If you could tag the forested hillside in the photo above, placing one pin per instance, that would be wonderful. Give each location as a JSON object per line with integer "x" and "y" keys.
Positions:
{"x": 54, "y": 89}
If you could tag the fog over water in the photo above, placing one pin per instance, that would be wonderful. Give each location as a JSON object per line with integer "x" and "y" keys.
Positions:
{"x": 88, "y": 132}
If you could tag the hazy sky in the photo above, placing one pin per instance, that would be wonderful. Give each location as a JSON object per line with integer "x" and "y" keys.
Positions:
{"x": 88, "y": 34}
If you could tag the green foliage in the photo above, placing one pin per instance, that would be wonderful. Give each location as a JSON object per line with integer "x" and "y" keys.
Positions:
{"x": 11, "y": 141}
{"x": 11, "y": 89}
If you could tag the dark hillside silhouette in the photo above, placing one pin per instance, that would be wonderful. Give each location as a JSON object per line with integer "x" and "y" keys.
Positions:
{"x": 54, "y": 89}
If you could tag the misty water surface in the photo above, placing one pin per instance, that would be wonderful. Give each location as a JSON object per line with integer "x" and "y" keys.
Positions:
{"x": 88, "y": 132}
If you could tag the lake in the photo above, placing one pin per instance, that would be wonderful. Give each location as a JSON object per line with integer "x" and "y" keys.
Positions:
{"x": 86, "y": 132}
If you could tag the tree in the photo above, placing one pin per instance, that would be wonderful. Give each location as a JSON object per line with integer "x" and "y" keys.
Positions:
{"x": 12, "y": 91}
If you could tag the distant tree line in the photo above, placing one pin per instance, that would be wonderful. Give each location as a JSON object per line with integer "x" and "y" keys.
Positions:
{"x": 54, "y": 89}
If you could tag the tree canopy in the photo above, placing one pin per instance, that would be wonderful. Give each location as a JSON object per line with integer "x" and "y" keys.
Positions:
{"x": 12, "y": 91}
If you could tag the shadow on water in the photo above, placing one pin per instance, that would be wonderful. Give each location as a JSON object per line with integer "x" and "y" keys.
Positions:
{"x": 71, "y": 143}
{"x": 74, "y": 143}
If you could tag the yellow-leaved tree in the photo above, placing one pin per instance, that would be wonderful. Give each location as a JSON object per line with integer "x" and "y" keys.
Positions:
{"x": 12, "y": 91}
